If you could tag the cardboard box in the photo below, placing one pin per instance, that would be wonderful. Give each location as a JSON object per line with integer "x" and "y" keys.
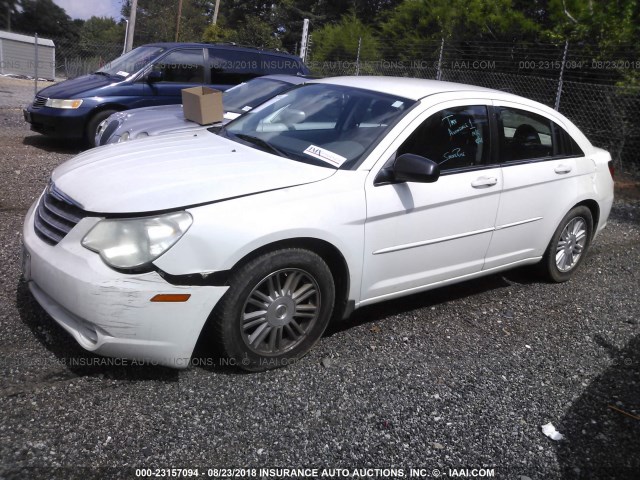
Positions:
{"x": 202, "y": 105}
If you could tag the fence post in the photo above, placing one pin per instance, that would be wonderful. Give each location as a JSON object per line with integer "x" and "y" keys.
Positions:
{"x": 35, "y": 85}
{"x": 560, "y": 80}
{"x": 358, "y": 56}
{"x": 439, "y": 72}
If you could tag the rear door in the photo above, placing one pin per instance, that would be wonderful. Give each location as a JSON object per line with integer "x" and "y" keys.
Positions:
{"x": 540, "y": 174}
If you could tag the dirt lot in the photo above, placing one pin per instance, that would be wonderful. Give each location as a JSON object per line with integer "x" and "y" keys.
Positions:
{"x": 461, "y": 377}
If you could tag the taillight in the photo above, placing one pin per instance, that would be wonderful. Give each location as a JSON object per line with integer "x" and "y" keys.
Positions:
{"x": 612, "y": 169}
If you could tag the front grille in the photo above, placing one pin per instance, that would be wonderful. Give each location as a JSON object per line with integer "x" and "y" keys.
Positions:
{"x": 55, "y": 216}
{"x": 39, "y": 101}
{"x": 108, "y": 131}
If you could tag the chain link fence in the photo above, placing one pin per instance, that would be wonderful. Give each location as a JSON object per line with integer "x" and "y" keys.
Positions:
{"x": 594, "y": 93}
{"x": 77, "y": 59}
{"x": 601, "y": 97}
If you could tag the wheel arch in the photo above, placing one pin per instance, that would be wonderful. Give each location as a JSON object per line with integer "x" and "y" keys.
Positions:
{"x": 327, "y": 251}
{"x": 594, "y": 208}
{"x": 101, "y": 108}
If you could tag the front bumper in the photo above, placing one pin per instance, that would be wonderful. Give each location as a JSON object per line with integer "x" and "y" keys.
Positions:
{"x": 110, "y": 313}
{"x": 57, "y": 122}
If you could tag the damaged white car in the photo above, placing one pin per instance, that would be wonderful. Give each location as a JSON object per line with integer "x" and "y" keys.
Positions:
{"x": 338, "y": 194}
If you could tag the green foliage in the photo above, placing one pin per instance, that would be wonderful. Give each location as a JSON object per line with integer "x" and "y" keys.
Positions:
{"x": 607, "y": 23}
{"x": 101, "y": 31}
{"x": 339, "y": 41}
{"x": 256, "y": 33}
{"x": 416, "y": 22}
{"x": 156, "y": 20}
{"x": 251, "y": 32}
{"x": 217, "y": 34}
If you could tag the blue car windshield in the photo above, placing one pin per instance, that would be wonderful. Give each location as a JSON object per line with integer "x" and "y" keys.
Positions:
{"x": 322, "y": 124}
{"x": 131, "y": 62}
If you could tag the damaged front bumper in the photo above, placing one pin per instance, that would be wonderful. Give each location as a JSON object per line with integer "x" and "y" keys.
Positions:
{"x": 111, "y": 313}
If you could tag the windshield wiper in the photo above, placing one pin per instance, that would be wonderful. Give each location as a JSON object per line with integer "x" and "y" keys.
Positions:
{"x": 101, "y": 73}
{"x": 261, "y": 143}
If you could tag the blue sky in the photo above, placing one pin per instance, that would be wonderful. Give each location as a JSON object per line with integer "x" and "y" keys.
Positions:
{"x": 87, "y": 8}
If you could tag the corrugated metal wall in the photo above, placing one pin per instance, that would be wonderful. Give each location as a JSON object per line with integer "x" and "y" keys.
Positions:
{"x": 18, "y": 56}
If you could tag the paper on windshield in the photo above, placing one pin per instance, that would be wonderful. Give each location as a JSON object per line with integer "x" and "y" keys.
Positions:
{"x": 325, "y": 155}
{"x": 122, "y": 73}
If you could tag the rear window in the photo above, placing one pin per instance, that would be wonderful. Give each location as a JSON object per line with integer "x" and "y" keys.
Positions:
{"x": 233, "y": 67}
{"x": 524, "y": 135}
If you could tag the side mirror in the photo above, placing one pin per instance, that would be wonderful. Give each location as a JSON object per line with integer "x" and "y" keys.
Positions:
{"x": 409, "y": 167}
{"x": 155, "y": 76}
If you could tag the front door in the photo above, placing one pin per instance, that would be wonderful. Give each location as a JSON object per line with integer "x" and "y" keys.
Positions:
{"x": 180, "y": 69}
{"x": 421, "y": 234}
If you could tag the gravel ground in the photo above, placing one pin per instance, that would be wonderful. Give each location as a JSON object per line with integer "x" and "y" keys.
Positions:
{"x": 461, "y": 377}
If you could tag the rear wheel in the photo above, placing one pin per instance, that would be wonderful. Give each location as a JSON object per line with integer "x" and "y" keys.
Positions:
{"x": 277, "y": 307}
{"x": 93, "y": 124}
{"x": 569, "y": 245}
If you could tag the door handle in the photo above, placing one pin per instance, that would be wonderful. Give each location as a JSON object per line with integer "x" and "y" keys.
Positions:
{"x": 562, "y": 169}
{"x": 484, "y": 182}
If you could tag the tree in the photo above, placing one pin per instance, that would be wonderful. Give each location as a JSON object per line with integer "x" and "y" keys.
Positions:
{"x": 218, "y": 34}
{"x": 45, "y": 18}
{"x": 255, "y": 32}
{"x": 416, "y": 25}
{"x": 156, "y": 20}
{"x": 339, "y": 42}
{"x": 8, "y": 10}
{"x": 104, "y": 35}
{"x": 606, "y": 30}
{"x": 290, "y": 14}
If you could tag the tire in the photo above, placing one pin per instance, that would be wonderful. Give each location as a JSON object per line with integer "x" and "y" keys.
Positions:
{"x": 568, "y": 246}
{"x": 261, "y": 323}
{"x": 92, "y": 126}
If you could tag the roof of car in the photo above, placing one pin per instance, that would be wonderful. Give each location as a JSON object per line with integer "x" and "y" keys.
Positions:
{"x": 411, "y": 88}
{"x": 229, "y": 46}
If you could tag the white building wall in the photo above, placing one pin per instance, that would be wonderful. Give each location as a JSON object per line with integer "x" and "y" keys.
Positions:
{"x": 18, "y": 56}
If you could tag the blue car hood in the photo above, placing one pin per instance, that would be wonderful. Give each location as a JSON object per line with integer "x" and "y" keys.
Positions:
{"x": 77, "y": 87}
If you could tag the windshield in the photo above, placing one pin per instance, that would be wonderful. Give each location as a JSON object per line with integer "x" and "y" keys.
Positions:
{"x": 131, "y": 62}
{"x": 246, "y": 96}
{"x": 323, "y": 124}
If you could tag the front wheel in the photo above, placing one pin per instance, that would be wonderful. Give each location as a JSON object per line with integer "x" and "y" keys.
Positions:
{"x": 568, "y": 245}
{"x": 277, "y": 307}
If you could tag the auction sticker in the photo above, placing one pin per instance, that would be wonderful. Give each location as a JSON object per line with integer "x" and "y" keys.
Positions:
{"x": 325, "y": 155}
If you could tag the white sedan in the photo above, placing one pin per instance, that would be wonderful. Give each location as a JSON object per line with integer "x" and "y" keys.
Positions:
{"x": 341, "y": 193}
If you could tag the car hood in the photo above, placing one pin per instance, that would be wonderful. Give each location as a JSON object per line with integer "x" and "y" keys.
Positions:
{"x": 175, "y": 171}
{"x": 75, "y": 87}
{"x": 158, "y": 120}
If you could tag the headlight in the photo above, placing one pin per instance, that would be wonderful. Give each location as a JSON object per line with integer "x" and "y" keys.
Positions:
{"x": 124, "y": 137}
{"x": 134, "y": 243}
{"x": 57, "y": 103}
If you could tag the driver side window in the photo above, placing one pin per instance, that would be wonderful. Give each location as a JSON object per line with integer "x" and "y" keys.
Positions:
{"x": 454, "y": 138}
{"x": 182, "y": 66}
